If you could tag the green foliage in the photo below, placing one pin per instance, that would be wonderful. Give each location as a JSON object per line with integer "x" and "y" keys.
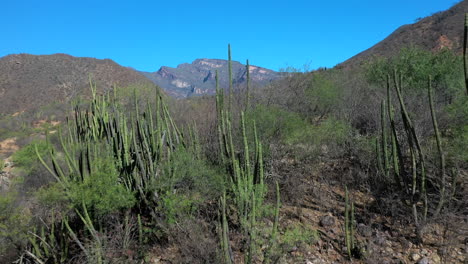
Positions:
{"x": 322, "y": 94}
{"x": 101, "y": 192}
{"x": 54, "y": 197}
{"x": 177, "y": 207}
{"x": 188, "y": 174}
{"x": 458, "y": 143}
{"x": 14, "y": 221}
{"x": 299, "y": 234}
{"x": 416, "y": 65}
{"x": 185, "y": 184}
{"x": 276, "y": 124}
{"x": 26, "y": 158}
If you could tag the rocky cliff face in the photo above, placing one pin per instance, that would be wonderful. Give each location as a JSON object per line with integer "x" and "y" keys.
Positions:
{"x": 198, "y": 77}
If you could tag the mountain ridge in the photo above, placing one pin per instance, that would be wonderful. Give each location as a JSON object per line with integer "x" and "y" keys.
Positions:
{"x": 443, "y": 29}
{"x": 29, "y": 81}
{"x": 198, "y": 78}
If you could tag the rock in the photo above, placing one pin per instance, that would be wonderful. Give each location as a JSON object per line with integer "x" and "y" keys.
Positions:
{"x": 293, "y": 249}
{"x": 424, "y": 261}
{"x": 380, "y": 240}
{"x": 327, "y": 221}
{"x": 315, "y": 261}
{"x": 389, "y": 250}
{"x": 424, "y": 252}
{"x": 388, "y": 243}
{"x": 405, "y": 244}
{"x": 436, "y": 259}
{"x": 365, "y": 231}
{"x": 415, "y": 257}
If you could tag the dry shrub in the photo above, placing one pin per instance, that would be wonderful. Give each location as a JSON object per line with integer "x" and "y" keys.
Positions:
{"x": 196, "y": 240}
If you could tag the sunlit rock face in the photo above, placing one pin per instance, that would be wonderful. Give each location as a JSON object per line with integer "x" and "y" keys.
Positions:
{"x": 199, "y": 77}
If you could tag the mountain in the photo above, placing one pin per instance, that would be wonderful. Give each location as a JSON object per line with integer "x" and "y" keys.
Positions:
{"x": 198, "y": 78}
{"x": 30, "y": 81}
{"x": 441, "y": 30}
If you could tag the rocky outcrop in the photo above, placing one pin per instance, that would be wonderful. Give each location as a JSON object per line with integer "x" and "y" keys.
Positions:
{"x": 198, "y": 78}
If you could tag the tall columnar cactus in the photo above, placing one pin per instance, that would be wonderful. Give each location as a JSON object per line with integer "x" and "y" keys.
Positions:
{"x": 465, "y": 51}
{"x": 226, "y": 248}
{"x": 416, "y": 151}
{"x": 396, "y": 151}
{"x": 137, "y": 143}
{"x": 410, "y": 172}
{"x": 349, "y": 230}
{"x": 230, "y": 79}
{"x": 274, "y": 230}
{"x": 439, "y": 149}
{"x": 383, "y": 122}
{"x": 245, "y": 171}
{"x": 247, "y": 93}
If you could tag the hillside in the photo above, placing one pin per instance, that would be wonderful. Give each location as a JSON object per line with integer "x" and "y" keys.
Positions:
{"x": 441, "y": 30}
{"x": 198, "y": 77}
{"x": 354, "y": 164}
{"x": 29, "y": 81}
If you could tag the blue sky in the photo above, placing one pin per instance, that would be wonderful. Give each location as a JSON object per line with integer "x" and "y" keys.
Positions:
{"x": 148, "y": 34}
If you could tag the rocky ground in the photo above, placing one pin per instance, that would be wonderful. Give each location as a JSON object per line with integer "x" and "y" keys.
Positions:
{"x": 380, "y": 239}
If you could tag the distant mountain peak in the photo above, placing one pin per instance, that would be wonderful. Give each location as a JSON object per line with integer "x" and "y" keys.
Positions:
{"x": 198, "y": 77}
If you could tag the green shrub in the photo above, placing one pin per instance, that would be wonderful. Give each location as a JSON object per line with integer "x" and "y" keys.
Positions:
{"x": 298, "y": 234}
{"x": 187, "y": 182}
{"x": 322, "y": 95}
{"x": 458, "y": 143}
{"x": 26, "y": 158}
{"x": 186, "y": 173}
{"x": 101, "y": 192}
{"x": 14, "y": 222}
{"x": 275, "y": 124}
{"x": 54, "y": 197}
{"x": 176, "y": 207}
{"x": 416, "y": 65}
{"x": 278, "y": 126}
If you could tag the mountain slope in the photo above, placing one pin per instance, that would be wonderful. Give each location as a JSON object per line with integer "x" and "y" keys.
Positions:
{"x": 198, "y": 78}
{"x": 440, "y": 30}
{"x": 30, "y": 81}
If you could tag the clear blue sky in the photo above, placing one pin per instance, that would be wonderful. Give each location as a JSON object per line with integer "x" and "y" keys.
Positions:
{"x": 148, "y": 34}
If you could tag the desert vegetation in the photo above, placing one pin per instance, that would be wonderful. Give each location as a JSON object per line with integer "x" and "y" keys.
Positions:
{"x": 331, "y": 165}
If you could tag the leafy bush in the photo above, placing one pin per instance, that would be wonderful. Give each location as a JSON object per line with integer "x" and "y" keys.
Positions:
{"x": 14, "y": 222}
{"x": 298, "y": 234}
{"x": 177, "y": 207}
{"x": 416, "y": 65}
{"x": 187, "y": 182}
{"x": 322, "y": 95}
{"x": 101, "y": 192}
{"x": 26, "y": 158}
{"x": 276, "y": 124}
{"x": 458, "y": 124}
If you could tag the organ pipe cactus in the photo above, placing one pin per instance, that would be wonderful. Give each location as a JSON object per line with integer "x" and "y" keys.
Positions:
{"x": 410, "y": 178}
{"x": 245, "y": 174}
{"x": 349, "y": 230}
{"x": 247, "y": 92}
{"x": 439, "y": 149}
{"x": 465, "y": 52}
